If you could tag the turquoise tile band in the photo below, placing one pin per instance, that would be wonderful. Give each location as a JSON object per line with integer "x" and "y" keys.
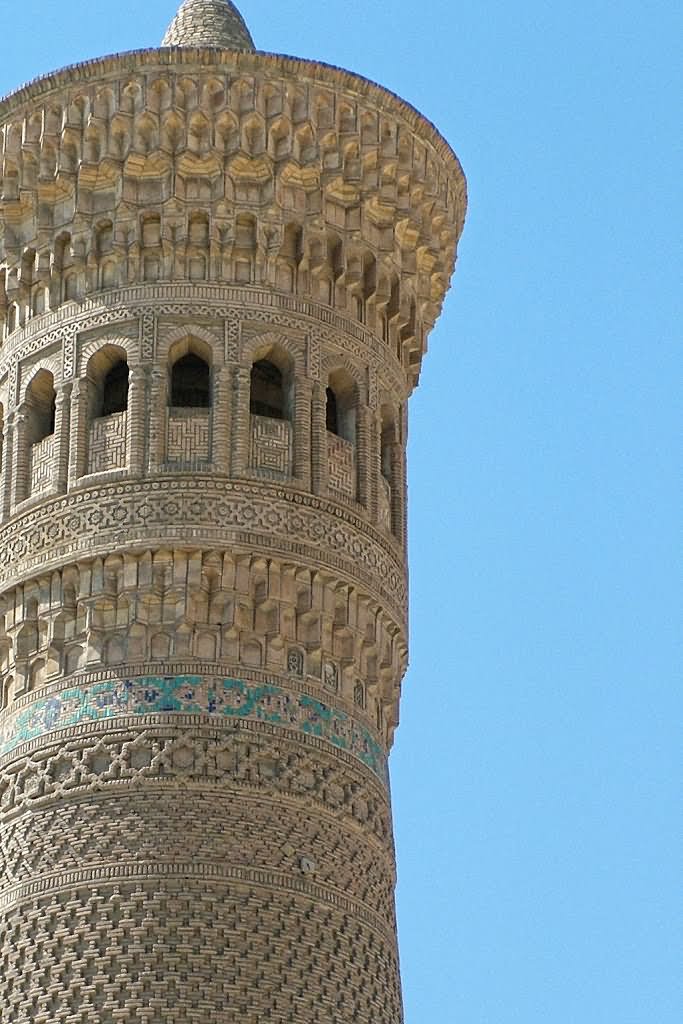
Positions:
{"x": 192, "y": 695}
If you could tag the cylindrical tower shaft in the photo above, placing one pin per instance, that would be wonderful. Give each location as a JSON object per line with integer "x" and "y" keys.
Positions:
{"x": 218, "y": 270}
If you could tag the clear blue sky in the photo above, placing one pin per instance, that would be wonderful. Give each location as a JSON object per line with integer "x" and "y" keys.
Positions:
{"x": 535, "y": 783}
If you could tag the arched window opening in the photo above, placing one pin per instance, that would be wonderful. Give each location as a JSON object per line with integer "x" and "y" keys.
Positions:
{"x": 107, "y": 374}
{"x": 36, "y": 453}
{"x": 341, "y": 434}
{"x": 51, "y": 416}
{"x": 341, "y": 406}
{"x": 41, "y": 400}
{"x": 271, "y": 404}
{"x": 267, "y": 391}
{"x": 191, "y": 383}
{"x": 332, "y": 413}
{"x": 115, "y": 389}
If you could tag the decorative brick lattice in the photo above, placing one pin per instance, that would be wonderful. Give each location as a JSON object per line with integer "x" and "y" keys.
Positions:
{"x": 189, "y": 436}
{"x": 76, "y": 836}
{"x": 341, "y": 466}
{"x": 327, "y": 534}
{"x": 42, "y": 461}
{"x": 115, "y": 759}
{"x": 107, "y": 449}
{"x": 271, "y": 447}
{"x": 143, "y": 950}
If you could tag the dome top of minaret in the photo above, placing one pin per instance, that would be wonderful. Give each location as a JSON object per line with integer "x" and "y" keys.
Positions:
{"x": 209, "y": 23}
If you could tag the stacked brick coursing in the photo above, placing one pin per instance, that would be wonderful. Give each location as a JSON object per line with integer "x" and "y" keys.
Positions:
{"x": 208, "y": 23}
{"x": 203, "y": 613}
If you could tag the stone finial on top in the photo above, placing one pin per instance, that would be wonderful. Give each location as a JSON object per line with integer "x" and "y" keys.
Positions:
{"x": 209, "y": 23}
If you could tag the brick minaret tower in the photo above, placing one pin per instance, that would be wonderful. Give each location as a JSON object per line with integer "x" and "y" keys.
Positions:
{"x": 218, "y": 271}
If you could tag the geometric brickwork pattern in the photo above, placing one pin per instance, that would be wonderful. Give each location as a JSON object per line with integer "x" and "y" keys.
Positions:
{"x": 171, "y": 755}
{"x": 247, "y": 827}
{"x": 188, "y": 436}
{"x": 42, "y": 465}
{"x": 175, "y": 952}
{"x": 203, "y": 612}
{"x": 341, "y": 466}
{"x": 270, "y": 446}
{"x": 107, "y": 448}
{"x": 87, "y": 524}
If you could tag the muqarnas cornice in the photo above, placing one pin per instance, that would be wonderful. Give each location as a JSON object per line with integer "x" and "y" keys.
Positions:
{"x": 214, "y": 165}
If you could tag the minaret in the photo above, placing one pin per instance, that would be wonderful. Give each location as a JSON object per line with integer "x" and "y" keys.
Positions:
{"x": 218, "y": 272}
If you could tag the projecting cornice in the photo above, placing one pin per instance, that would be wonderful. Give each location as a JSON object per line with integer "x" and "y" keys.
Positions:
{"x": 101, "y": 68}
{"x": 224, "y": 166}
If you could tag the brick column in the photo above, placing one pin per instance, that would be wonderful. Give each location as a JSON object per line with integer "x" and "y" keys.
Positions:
{"x": 241, "y": 423}
{"x": 302, "y": 432}
{"x": 222, "y": 416}
{"x": 78, "y": 465}
{"x": 136, "y": 426}
{"x": 364, "y": 462}
{"x": 403, "y": 481}
{"x": 7, "y": 467}
{"x": 62, "y": 431}
{"x": 20, "y": 460}
{"x": 156, "y": 425}
{"x": 397, "y": 490}
{"x": 319, "y": 468}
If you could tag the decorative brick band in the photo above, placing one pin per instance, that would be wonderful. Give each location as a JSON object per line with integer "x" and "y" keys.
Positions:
{"x": 219, "y": 513}
{"x": 193, "y": 696}
{"x": 112, "y": 875}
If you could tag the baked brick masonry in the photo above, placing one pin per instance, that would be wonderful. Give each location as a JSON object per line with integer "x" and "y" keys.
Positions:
{"x": 218, "y": 272}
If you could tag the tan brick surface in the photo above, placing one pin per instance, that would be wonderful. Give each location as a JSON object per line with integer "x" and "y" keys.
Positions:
{"x": 203, "y": 612}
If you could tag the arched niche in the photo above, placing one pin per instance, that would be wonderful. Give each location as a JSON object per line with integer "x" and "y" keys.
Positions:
{"x": 108, "y": 384}
{"x": 190, "y": 402}
{"x": 271, "y": 408}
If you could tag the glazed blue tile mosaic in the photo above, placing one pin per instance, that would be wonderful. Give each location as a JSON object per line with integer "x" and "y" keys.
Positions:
{"x": 192, "y": 695}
